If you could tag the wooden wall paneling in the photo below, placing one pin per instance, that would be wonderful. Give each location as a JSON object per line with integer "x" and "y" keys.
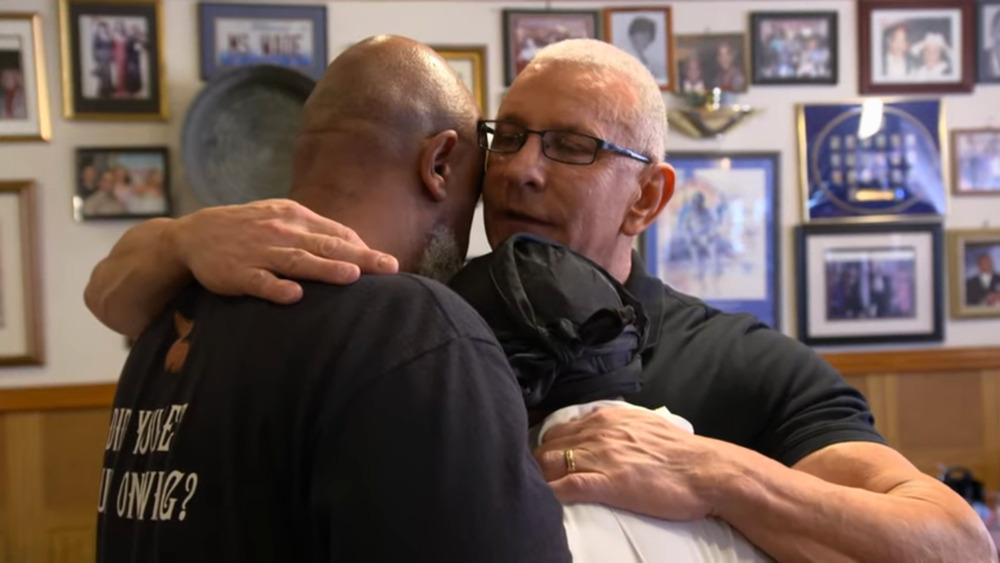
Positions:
{"x": 4, "y": 483}
{"x": 23, "y": 487}
{"x": 991, "y": 426}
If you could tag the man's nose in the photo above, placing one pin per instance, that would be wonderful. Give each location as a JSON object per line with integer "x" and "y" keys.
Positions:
{"x": 526, "y": 166}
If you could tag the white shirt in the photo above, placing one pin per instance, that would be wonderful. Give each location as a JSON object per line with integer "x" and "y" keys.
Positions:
{"x": 600, "y": 534}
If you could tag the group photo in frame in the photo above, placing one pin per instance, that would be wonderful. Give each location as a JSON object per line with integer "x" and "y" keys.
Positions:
{"x": 792, "y": 48}
{"x": 21, "y": 338}
{"x": 988, "y": 44}
{"x": 647, "y": 34}
{"x": 862, "y": 160}
{"x": 235, "y": 35}
{"x": 122, "y": 183}
{"x": 975, "y": 161}
{"x": 469, "y": 62}
{"x": 718, "y": 237}
{"x": 112, "y": 56}
{"x": 525, "y": 32}
{"x": 909, "y": 47}
{"x": 870, "y": 283}
{"x": 974, "y": 273}
{"x": 24, "y": 94}
{"x": 710, "y": 61}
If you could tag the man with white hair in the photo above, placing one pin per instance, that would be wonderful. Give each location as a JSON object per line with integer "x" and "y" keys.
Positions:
{"x": 786, "y": 451}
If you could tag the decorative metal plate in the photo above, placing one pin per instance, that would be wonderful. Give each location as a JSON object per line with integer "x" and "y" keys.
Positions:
{"x": 239, "y": 134}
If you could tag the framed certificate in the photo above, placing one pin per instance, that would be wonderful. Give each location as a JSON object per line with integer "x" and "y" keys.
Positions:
{"x": 873, "y": 159}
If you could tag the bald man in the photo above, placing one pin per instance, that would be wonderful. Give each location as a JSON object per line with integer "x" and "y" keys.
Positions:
{"x": 347, "y": 427}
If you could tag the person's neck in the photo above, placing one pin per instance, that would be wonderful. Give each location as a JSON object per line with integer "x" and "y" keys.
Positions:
{"x": 386, "y": 221}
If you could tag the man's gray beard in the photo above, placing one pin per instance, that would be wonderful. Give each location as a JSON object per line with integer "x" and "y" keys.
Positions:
{"x": 441, "y": 259}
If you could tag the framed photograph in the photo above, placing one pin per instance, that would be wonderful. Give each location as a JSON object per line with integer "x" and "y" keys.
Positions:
{"x": 862, "y": 160}
{"x": 988, "y": 46}
{"x": 647, "y": 33}
{"x": 469, "y": 62}
{"x": 794, "y": 47}
{"x": 705, "y": 62}
{"x": 870, "y": 283}
{"x": 24, "y": 97}
{"x": 525, "y": 32}
{"x": 234, "y": 35}
{"x": 974, "y": 273}
{"x": 915, "y": 46}
{"x": 975, "y": 165}
{"x": 122, "y": 183}
{"x": 21, "y": 340}
{"x": 112, "y": 56}
{"x": 718, "y": 237}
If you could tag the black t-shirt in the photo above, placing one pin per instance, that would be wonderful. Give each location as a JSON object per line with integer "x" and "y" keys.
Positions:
{"x": 373, "y": 422}
{"x": 736, "y": 379}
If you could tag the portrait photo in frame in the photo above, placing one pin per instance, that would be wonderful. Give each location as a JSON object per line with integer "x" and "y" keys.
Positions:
{"x": 525, "y": 32}
{"x": 975, "y": 162}
{"x": 290, "y": 36}
{"x": 647, "y": 34}
{"x": 974, "y": 273}
{"x": 862, "y": 160}
{"x": 870, "y": 283}
{"x": 793, "y": 48}
{"x": 112, "y": 60}
{"x": 712, "y": 61}
{"x": 24, "y": 94}
{"x": 469, "y": 62}
{"x": 916, "y": 47}
{"x": 122, "y": 183}
{"x": 21, "y": 340}
{"x": 718, "y": 237}
{"x": 988, "y": 44}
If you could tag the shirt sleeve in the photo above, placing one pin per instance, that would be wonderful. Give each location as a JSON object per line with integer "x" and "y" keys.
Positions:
{"x": 804, "y": 402}
{"x": 431, "y": 463}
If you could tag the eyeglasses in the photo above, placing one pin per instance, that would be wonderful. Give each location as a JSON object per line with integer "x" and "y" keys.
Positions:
{"x": 561, "y": 146}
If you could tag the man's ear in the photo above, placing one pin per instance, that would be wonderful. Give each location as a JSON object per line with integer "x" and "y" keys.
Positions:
{"x": 655, "y": 190}
{"x": 436, "y": 160}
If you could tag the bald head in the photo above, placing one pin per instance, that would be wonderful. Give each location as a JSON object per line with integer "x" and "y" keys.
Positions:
{"x": 374, "y": 105}
{"x": 638, "y": 103}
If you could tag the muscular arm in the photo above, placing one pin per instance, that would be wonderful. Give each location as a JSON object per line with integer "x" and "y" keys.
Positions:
{"x": 231, "y": 250}
{"x": 136, "y": 280}
{"x": 852, "y": 501}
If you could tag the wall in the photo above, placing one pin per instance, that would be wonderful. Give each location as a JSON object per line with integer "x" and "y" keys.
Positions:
{"x": 80, "y": 350}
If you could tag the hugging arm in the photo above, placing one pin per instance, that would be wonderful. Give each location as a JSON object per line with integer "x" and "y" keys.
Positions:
{"x": 839, "y": 496}
{"x": 231, "y": 250}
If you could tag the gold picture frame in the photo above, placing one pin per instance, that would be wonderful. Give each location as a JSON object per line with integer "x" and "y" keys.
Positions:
{"x": 967, "y": 249}
{"x": 21, "y": 341}
{"x": 122, "y": 78}
{"x": 24, "y": 116}
{"x": 469, "y": 61}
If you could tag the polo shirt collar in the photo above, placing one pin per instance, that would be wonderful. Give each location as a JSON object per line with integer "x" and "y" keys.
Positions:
{"x": 649, "y": 291}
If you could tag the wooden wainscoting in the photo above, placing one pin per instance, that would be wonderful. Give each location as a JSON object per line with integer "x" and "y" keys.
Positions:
{"x": 51, "y": 449}
{"x": 935, "y": 406}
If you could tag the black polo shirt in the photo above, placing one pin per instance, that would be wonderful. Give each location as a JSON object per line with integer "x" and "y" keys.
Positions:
{"x": 373, "y": 422}
{"x": 736, "y": 379}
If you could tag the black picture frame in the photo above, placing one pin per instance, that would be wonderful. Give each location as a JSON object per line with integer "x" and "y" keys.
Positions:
{"x": 766, "y": 70}
{"x": 988, "y": 29}
{"x": 106, "y": 85}
{"x": 123, "y": 199}
{"x": 586, "y": 21}
{"x": 906, "y": 306}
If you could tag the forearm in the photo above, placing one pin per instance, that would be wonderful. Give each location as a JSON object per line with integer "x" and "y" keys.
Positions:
{"x": 795, "y": 516}
{"x": 129, "y": 287}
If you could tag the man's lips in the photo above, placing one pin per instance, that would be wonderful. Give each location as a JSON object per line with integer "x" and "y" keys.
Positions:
{"x": 525, "y": 219}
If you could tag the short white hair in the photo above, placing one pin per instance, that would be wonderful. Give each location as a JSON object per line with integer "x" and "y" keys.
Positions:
{"x": 646, "y": 119}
